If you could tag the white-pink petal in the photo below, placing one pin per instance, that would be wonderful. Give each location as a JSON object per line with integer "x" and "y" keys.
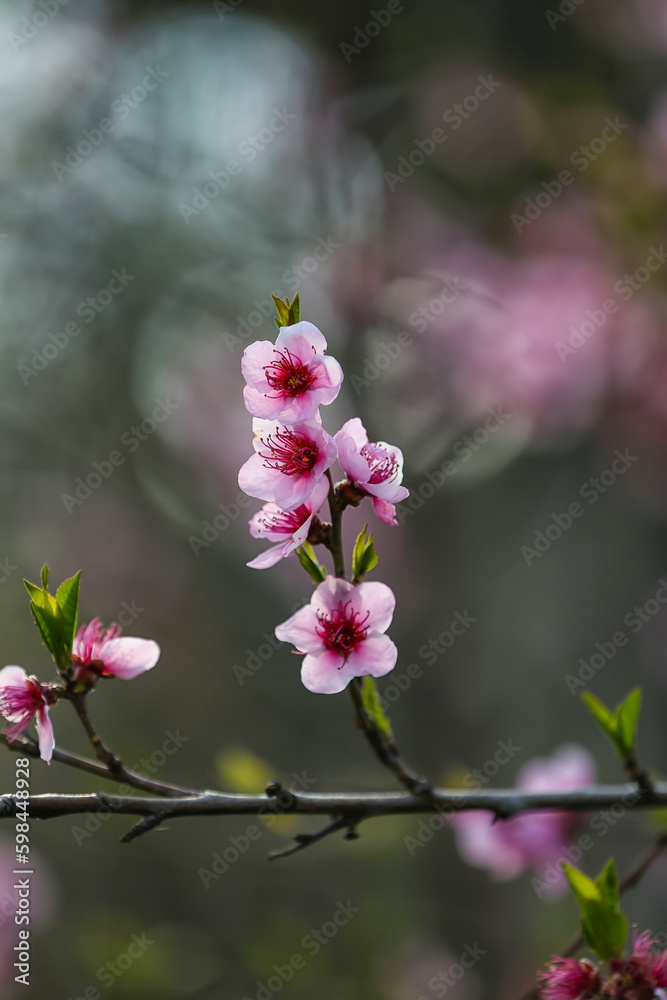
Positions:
{"x": 325, "y": 673}
{"x": 301, "y": 631}
{"x": 127, "y": 657}
{"x": 376, "y": 655}
{"x": 45, "y": 734}
{"x": 12, "y": 676}
{"x": 379, "y": 601}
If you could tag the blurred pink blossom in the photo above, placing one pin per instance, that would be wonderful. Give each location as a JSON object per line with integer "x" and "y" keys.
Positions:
{"x": 509, "y": 847}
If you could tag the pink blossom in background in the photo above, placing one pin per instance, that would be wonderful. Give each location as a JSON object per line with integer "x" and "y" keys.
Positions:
{"x": 375, "y": 469}
{"x": 23, "y": 699}
{"x": 107, "y": 654}
{"x": 288, "y": 381}
{"x": 509, "y": 847}
{"x": 288, "y": 462}
{"x": 286, "y": 529}
{"x": 341, "y": 632}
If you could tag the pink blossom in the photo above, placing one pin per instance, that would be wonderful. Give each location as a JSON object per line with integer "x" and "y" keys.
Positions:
{"x": 374, "y": 469}
{"x": 341, "y": 633}
{"x": 108, "y": 655}
{"x": 640, "y": 975}
{"x": 509, "y": 847}
{"x": 288, "y": 529}
{"x": 570, "y": 979}
{"x": 288, "y": 381}
{"x": 23, "y": 699}
{"x": 288, "y": 462}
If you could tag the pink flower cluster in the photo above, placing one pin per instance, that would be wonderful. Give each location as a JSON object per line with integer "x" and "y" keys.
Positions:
{"x": 96, "y": 652}
{"x": 533, "y": 840}
{"x": 341, "y": 632}
{"x": 642, "y": 975}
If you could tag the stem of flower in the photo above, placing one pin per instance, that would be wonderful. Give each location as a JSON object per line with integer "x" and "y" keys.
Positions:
{"x": 336, "y": 540}
{"x": 102, "y": 751}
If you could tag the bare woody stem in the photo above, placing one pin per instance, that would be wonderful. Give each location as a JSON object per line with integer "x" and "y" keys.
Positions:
{"x": 336, "y": 541}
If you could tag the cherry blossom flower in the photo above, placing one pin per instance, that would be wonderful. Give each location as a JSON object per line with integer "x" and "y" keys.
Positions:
{"x": 373, "y": 469}
{"x": 533, "y": 840}
{"x": 104, "y": 653}
{"x": 23, "y": 699}
{"x": 288, "y": 462}
{"x": 288, "y": 381}
{"x": 341, "y": 633}
{"x": 287, "y": 529}
{"x": 570, "y": 979}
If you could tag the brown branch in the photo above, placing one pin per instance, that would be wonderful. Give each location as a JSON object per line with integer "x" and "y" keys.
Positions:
{"x": 28, "y": 747}
{"x": 354, "y": 805}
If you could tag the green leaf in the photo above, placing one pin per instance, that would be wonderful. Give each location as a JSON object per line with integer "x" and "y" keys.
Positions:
{"x": 373, "y": 707}
{"x": 67, "y": 598}
{"x": 282, "y": 308}
{"x": 364, "y": 556}
{"x": 604, "y": 928}
{"x": 49, "y": 620}
{"x": 45, "y": 576}
{"x": 308, "y": 560}
{"x": 628, "y": 716}
{"x": 295, "y": 310}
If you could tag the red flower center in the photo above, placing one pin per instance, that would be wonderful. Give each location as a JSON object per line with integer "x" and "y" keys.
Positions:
{"x": 289, "y": 453}
{"x": 342, "y": 630}
{"x": 288, "y": 376}
{"x": 383, "y": 466}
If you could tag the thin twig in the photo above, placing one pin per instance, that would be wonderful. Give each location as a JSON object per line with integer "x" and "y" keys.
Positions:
{"x": 304, "y": 840}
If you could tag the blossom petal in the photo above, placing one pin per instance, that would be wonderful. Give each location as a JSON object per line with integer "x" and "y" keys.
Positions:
{"x": 262, "y": 405}
{"x": 379, "y": 601}
{"x": 325, "y": 673}
{"x": 300, "y": 630}
{"x": 354, "y": 465}
{"x": 376, "y": 655}
{"x": 385, "y": 511}
{"x": 270, "y": 557}
{"x": 12, "y": 676}
{"x": 45, "y": 734}
{"x": 333, "y": 592}
{"x": 128, "y": 657}
{"x": 300, "y": 336}
{"x": 356, "y": 430}
{"x": 254, "y": 361}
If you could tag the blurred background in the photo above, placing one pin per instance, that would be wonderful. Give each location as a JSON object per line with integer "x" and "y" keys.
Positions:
{"x": 471, "y": 201}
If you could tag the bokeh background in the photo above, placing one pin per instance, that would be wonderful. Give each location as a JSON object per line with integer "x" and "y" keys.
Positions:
{"x": 491, "y": 275}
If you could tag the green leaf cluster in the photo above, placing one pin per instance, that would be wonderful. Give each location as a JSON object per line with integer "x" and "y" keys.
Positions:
{"x": 289, "y": 313}
{"x": 604, "y": 927}
{"x": 308, "y": 560}
{"x": 56, "y": 616}
{"x": 620, "y": 726}
{"x": 364, "y": 557}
